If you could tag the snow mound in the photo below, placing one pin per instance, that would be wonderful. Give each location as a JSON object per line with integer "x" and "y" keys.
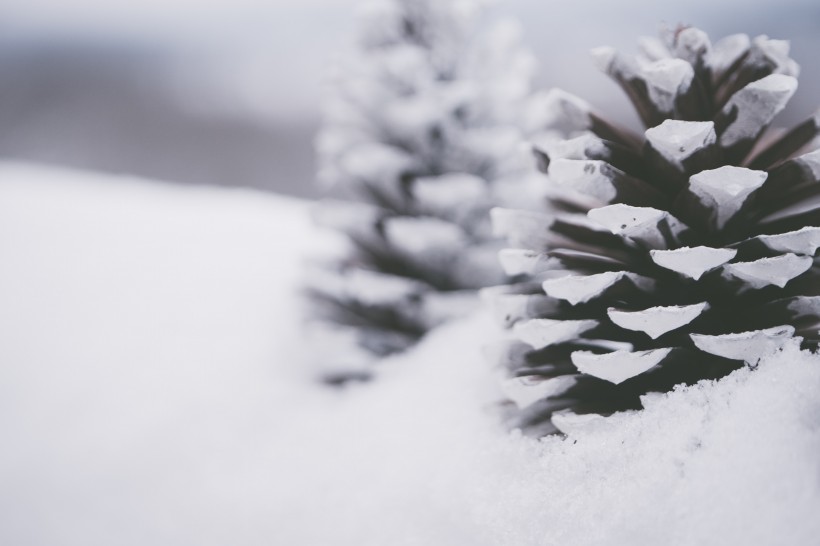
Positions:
{"x": 154, "y": 391}
{"x": 418, "y": 457}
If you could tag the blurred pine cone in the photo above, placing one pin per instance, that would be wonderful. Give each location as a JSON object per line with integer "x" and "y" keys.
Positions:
{"x": 421, "y": 138}
{"x": 671, "y": 258}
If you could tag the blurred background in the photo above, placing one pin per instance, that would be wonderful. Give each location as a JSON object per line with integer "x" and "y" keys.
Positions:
{"x": 227, "y": 92}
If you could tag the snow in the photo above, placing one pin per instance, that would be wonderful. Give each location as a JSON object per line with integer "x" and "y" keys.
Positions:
{"x": 691, "y": 43}
{"x": 521, "y": 261}
{"x": 591, "y": 177}
{"x": 802, "y": 241}
{"x": 727, "y": 51}
{"x": 667, "y": 79}
{"x": 678, "y": 140}
{"x": 725, "y": 190}
{"x": 747, "y": 346}
{"x": 583, "y": 288}
{"x": 692, "y": 262}
{"x": 657, "y": 321}
{"x": 777, "y": 270}
{"x": 810, "y": 162}
{"x": 148, "y": 335}
{"x": 756, "y": 105}
{"x": 618, "y": 366}
{"x": 652, "y": 227}
{"x": 541, "y": 332}
{"x": 154, "y": 389}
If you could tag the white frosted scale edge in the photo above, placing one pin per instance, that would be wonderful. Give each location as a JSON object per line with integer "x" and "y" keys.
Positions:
{"x": 777, "y": 271}
{"x": 603, "y": 57}
{"x": 511, "y": 308}
{"x": 525, "y": 391}
{"x": 803, "y": 306}
{"x": 417, "y": 235}
{"x": 574, "y": 148}
{"x": 561, "y": 110}
{"x": 618, "y": 366}
{"x": 520, "y": 227}
{"x": 590, "y": 177}
{"x": 692, "y": 262}
{"x": 804, "y": 241}
{"x": 725, "y": 189}
{"x": 369, "y": 287}
{"x": 657, "y": 321}
{"x": 652, "y": 48}
{"x": 581, "y": 288}
{"x": 448, "y": 191}
{"x": 777, "y": 53}
{"x": 692, "y": 43}
{"x": 755, "y": 106}
{"x": 641, "y": 224}
{"x": 726, "y": 51}
{"x": 666, "y": 79}
{"x": 520, "y": 261}
{"x": 677, "y": 140}
{"x": 747, "y": 346}
{"x": 540, "y": 333}
{"x": 810, "y": 161}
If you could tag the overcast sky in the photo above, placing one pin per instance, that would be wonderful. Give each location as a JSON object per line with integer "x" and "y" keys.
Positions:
{"x": 273, "y": 53}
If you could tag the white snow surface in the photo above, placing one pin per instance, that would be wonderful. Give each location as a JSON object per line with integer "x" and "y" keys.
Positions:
{"x": 154, "y": 390}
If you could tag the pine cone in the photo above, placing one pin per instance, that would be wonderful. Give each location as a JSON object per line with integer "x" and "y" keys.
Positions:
{"x": 419, "y": 134}
{"x": 671, "y": 258}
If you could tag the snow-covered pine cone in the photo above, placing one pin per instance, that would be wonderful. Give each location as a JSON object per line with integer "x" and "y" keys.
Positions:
{"x": 674, "y": 257}
{"x": 420, "y": 139}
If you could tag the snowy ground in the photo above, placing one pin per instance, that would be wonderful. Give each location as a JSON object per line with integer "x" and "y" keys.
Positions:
{"x": 153, "y": 390}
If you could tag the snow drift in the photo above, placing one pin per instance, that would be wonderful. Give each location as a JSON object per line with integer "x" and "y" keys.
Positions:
{"x": 154, "y": 391}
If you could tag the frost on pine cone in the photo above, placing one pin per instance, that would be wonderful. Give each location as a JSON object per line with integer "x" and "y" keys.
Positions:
{"x": 670, "y": 258}
{"x": 420, "y": 130}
